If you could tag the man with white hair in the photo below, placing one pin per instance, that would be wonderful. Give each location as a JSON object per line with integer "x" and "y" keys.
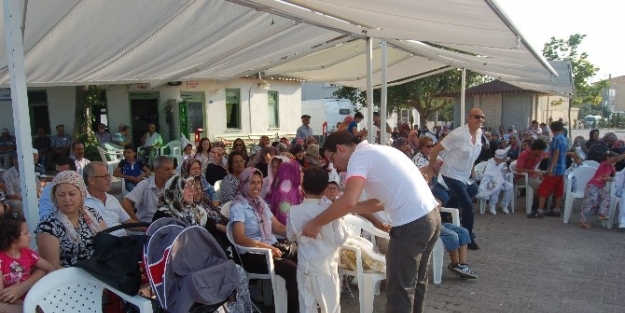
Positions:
{"x": 98, "y": 182}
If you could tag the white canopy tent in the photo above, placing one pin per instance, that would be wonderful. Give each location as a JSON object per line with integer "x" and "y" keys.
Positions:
{"x": 74, "y": 42}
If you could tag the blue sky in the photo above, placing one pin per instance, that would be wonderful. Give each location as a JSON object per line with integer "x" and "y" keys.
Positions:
{"x": 603, "y": 21}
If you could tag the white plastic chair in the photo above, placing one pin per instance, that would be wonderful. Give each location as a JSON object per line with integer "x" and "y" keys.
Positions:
{"x": 480, "y": 168}
{"x": 438, "y": 253}
{"x": 591, "y": 163}
{"x": 582, "y": 175}
{"x": 124, "y": 190}
{"x": 278, "y": 284}
{"x": 225, "y": 208}
{"x": 614, "y": 202}
{"x": 110, "y": 164}
{"x": 217, "y": 187}
{"x": 174, "y": 148}
{"x": 529, "y": 191}
{"x": 74, "y": 290}
{"x": 368, "y": 282}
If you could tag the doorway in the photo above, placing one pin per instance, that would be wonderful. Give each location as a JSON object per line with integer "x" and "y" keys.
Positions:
{"x": 195, "y": 113}
{"x": 143, "y": 111}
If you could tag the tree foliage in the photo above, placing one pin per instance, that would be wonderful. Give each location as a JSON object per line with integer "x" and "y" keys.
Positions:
{"x": 418, "y": 94}
{"x": 583, "y": 70}
{"x": 87, "y": 98}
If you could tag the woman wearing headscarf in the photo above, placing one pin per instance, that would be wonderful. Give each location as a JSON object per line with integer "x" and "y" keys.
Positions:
{"x": 609, "y": 138}
{"x": 253, "y": 226}
{"x": 193, "y": 168}
{"x": 273, "y": 170}
{"x": 312, "y": 155}
{"x": 593, "y": 137}
{"x": 215, "y": 170}
{"x": 515, "y": 148}
{"x": 403, "y": 145}
{"x": 285, "y": 190}
{"x": 179, "y": 200}
{"x": 65, "y": 236}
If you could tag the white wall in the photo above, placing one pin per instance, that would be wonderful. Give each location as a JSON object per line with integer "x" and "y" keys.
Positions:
{"x": 289, "y": 101}
{"x": 61, "y": 109}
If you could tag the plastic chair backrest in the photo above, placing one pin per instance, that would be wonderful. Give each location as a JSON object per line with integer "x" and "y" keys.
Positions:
{"x": 217, "y": 187}
{"x": 356, "y": 224}
{"x": 512, "y": 167}
{"x": 102, "y": 154}
{"x": 591, "y": 163}
{"x": 583, "y": 174}
{"x": 225, "y": 208}
{"x": 480, "y": 167}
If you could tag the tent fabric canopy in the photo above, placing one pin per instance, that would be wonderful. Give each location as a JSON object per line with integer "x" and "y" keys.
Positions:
{"x": 73, "y": 42}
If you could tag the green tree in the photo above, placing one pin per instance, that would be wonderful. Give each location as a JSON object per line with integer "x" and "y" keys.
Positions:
{"x": 583, "y": 70}
{"x": 87, "y": 97}
{"x": 418, "y": 94}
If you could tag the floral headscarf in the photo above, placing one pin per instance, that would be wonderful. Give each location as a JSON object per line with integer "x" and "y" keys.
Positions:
{"x": 73, "y": 178}
{"x": 185, "y": 168}
{"x": 211, "y": 156}
{"x": 258, "y": 205}
{"x": 172, "y": 199}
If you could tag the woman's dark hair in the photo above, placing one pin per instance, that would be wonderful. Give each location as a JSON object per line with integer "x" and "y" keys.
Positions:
{"x": 339, "y": 138}
{"x": 199, "y": 146}
{"x": 10, "y": 228}
{"x": 243, "y": 150}
{"x": 315, "y": 180}
{"x": 231, "y": 157}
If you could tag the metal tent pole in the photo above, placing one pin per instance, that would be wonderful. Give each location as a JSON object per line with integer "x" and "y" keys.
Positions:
{"x": 384, "y": 98}
{"x": 463, "y": 86}
{"x": 371, "y": 135}
{"x": 14, "y": 16}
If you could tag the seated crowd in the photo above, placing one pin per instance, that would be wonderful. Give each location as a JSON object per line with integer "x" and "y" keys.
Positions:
{"x": 272, "y": 190}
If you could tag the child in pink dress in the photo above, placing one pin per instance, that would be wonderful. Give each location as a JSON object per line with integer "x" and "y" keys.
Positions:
{"x": 596, "y": 197}
{"x": 17, "y": 260}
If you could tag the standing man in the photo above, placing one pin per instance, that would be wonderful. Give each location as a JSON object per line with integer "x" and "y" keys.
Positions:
{"x": 78, "y": 148}
{"x": 98, "y": 181}
{"x": 144, "y": 197}
{"x": 59, "y": 144}
{"x": 149, "y": 142}
{"x": 377, "y": 119}
{"x": 7, "y": 146}
{"x": 462, "y": 147}
{"x": 389, "y": 178}
{"x": 304, "y": 131}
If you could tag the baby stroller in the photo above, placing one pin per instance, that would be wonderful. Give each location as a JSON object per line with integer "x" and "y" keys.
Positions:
{"x": 188, "y": 271}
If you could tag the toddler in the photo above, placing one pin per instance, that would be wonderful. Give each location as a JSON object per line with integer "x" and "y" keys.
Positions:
{"x": 595, "y": 195}
{"x": 493, "y": 180}
{"x": 17, "y": 260}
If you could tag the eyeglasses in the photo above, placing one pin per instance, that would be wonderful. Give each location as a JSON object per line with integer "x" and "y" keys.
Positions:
{"x": 479, "y": 117}
{"x": 330, "y": 157}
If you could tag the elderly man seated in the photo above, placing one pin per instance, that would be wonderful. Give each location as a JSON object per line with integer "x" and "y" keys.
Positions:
{"x": 13, "y": 186}
{"x": 149, "y": 143}
{"x": 98, "y": 182}
{"x": 144, "y": 197}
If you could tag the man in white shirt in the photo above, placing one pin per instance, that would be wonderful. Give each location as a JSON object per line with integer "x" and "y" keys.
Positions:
{"x": 78, "y": 149}
{"x": 462, "y": 147}
{"x": 304, "y": 131}
{"x": 149, "y": 142}
{"x": 98, "y": 182}
{"x": 394, "y": 185}
{"x": 142, "y": 202}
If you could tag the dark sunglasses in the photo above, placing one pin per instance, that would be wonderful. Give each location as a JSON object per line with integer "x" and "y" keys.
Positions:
{"x": 479, "y": 117}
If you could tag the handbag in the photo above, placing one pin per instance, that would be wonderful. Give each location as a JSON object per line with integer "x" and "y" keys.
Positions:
{"x": 115, "y": 260}
{"x": 288, "y": 248}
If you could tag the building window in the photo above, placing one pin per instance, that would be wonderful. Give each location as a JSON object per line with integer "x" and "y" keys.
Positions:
{"x": 38, "y": 110}
{"x": 274, "y": 112}
{"x": 233, "y": 108}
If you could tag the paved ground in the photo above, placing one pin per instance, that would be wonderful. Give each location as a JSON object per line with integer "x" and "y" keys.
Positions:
{"x": 529, "y": 265}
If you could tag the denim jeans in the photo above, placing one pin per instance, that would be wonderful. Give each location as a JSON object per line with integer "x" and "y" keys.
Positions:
{"x": 460, "y": 192}
{"x": 454, "y": 236}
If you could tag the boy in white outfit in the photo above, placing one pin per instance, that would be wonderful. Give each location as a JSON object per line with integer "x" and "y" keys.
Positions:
{"x": 494, "y": 180}
{"x": 318, "y": 280}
